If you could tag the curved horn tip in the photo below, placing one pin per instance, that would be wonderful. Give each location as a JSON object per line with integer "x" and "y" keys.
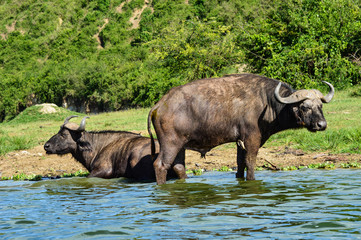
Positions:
{"x": 68, "y": 118}
{"x": 82, "y": 124}
{"x": 330, "y": 94}
{"x": 327, "y": 83}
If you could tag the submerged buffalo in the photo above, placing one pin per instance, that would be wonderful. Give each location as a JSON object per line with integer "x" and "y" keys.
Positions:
{"x": 242, "y": 108}
{"x": 109, "y": 154}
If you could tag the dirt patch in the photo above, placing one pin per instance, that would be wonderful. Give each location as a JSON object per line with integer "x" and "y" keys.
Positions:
{"x": 9, "y": 29}
{"x": 136, "y": 17}
{"x": 268, "y": 158}
{"x": 35, "y": 161}
{"x": 97, "y": 37}
{"x": 119, "y": 9}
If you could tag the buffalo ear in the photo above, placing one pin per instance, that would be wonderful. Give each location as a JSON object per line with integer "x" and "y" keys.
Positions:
{"x": 84, "y": 145}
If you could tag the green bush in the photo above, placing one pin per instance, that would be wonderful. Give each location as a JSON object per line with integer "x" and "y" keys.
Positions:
{"x": 305, "y": 42}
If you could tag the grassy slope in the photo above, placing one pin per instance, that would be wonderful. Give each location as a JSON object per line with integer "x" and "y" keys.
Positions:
{"x": 31, "y": 128}
{"x": 342, "y": 135}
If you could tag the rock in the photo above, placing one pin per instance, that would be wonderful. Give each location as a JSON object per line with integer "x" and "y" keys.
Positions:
{"x": 48, "y": 108}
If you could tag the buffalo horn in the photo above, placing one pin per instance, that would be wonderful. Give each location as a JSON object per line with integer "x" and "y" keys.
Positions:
{"x": 82, "y": 124}
{"x": 68, "y": 118}
{"x": 293, "y": 98}
{"x": 329, "y": 96}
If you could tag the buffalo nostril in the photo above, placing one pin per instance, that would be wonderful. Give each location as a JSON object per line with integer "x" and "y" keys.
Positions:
{"x": 322, "y": 125}
{"x": 46, "y": 146}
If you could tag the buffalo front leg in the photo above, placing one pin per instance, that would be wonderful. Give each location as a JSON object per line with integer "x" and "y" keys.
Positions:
{"x": 246, "y": 157}
{"x": 252, "y": 147}
{"x": 251, "y": 165}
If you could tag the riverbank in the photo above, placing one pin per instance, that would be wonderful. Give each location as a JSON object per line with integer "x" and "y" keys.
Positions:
{"x": 35, "y": 162}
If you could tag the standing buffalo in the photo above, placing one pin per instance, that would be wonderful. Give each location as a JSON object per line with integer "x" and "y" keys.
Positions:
{"x": 109, "y": 154}
{"x": 242, "y": 108}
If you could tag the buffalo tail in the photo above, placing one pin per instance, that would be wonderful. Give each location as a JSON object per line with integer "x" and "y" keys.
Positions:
{"x": 152, "y": 144}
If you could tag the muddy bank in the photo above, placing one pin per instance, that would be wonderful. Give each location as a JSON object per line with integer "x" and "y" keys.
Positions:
{"x": 35, "y": 161}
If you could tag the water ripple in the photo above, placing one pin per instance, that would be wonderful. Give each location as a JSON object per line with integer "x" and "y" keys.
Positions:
{"x": 305, "y": 204}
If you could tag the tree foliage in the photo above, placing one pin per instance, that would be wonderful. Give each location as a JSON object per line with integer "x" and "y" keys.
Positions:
{"x": 89, "y": 51}
{"x": 303, "y": 42}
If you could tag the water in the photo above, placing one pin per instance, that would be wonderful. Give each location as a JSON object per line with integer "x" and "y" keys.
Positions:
{"x": 304, "y": 204}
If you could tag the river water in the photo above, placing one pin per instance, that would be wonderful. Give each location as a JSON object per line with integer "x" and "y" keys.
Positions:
{"x": 303, "y": 204}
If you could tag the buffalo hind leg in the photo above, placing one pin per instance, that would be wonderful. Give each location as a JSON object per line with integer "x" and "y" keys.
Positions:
{"x": 179, "y": 165}
{"x": 101, "y": 173}
{"x": 163, "y": 162}
{"x": 180, "y": 170}
{"x": 241, "y": 162}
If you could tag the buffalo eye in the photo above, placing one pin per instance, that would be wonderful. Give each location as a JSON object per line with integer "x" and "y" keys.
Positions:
{"x": 63, "y": 135}
{"x": 305, "y": 108}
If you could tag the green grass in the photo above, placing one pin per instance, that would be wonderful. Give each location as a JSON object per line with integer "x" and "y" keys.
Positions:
{"x": 351, "y": 165}
{"x": 344, "y": 140}
{"x": 129, "y": 120}
{"x": 13, "y": 143}
{"x": 79, "y": 173}
{"x": 33, "y": 114}
{"x": 34, "y": 177}
{"x": 324, "y": 165}
{"x": 23, "y": 177}
{"x": 343, "y": 135}
{"x": 225, "y": 169}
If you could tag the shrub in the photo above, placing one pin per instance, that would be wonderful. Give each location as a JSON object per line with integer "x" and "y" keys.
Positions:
{"x": 304, "y": 42}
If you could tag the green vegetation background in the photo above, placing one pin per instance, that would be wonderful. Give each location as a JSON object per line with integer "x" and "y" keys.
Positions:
{"x": 343, "y": 135}
{"x": 48, "y": 51}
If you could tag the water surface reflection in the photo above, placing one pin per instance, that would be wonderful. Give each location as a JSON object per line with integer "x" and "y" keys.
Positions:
{"x": 189, "y": 194}
{"x": 304, "y": 204}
